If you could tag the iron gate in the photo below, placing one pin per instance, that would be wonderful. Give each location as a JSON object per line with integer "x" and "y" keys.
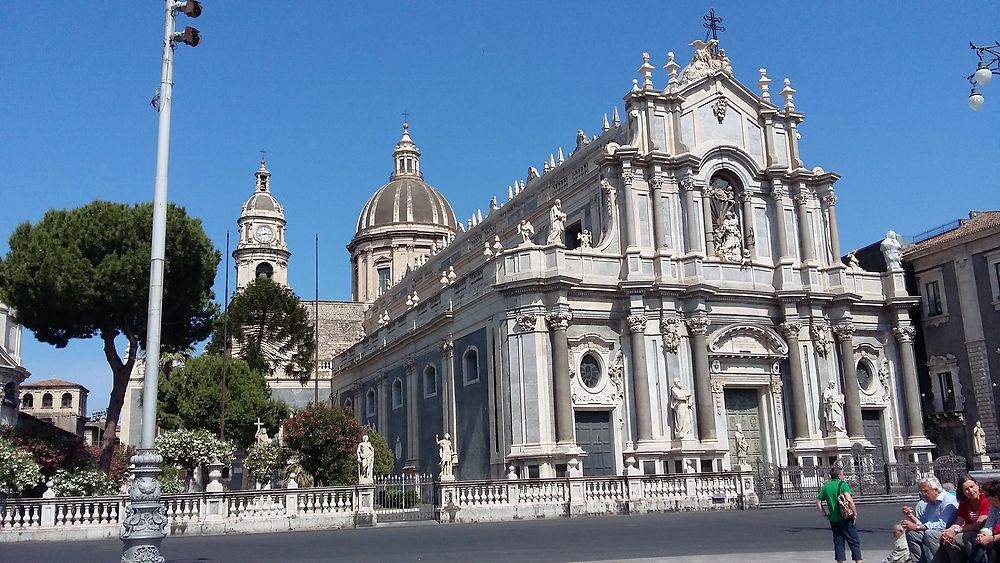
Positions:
{"x": 864, "y": 474}
{"x": 401, "y": 498}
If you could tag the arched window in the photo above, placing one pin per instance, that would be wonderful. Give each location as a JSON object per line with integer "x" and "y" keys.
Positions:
{"x": 265, "y": 270}
{"x": 430, "y": 382}
{"x": 349, "y": 405}
{"x": 397, "y": 393}
{"x": 370, "y": 402}
{"x": 590, "y": 370}
{"x": 470, "y": 366}
{"x": 864, "y": 372}
{"x": 47, "y": 401}
{"x": 66, "y": 401}
{"x": 28, "y": 401}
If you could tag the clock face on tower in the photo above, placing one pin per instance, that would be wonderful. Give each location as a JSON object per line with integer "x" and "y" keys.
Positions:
{"x": 264, "y": 234}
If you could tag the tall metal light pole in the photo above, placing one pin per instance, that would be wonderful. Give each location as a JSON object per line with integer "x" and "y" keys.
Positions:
{"x": 145, "y": 518}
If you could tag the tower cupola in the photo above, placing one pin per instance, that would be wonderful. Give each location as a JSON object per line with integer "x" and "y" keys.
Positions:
{"x": 406, "y": 157}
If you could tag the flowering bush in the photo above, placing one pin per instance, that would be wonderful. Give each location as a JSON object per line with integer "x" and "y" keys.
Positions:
{"x": 263, "y": 460}
{"x": 51, "y": 449}
{"x": 191, "y": 448}
{"x": 170, "y": 480}
{"x": 18, "y": 468}
{"x": 84, "y": 483}
{"x": 325, "y": 438}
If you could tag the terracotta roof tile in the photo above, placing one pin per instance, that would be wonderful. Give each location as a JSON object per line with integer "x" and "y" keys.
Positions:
{"x": 978, "y": 221}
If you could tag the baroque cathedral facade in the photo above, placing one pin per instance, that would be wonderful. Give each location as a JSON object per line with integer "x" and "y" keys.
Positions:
{"x": 674, "y": 278}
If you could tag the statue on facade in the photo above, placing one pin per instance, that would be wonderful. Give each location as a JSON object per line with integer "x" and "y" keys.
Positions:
{"x": 892, "y": 250}
{"x": 742, "y": 446}
{"x": 979, "y": 439}
{"x": 446, "y": 454}
{"x": 852, "y": 260}
{"x": 729, "y": 238}
{"x": 833, "y": 408}
{"x": 366, "y": 460}
{"x": 526, "y": 231}
{"x": 680, "y": 402}
{"x": 557, "y": 223}
{"x": 584, "y": 237}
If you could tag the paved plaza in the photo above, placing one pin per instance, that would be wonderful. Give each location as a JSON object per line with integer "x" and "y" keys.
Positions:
{"x": 788, "y": 535}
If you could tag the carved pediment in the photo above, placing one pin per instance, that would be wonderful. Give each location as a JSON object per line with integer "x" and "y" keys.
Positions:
{"x": 747, "y": 341}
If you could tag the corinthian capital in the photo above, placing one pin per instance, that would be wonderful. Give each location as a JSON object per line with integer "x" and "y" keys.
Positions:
{"x": 790, "y": 329}
{"x": 687, "y": 183}
{"x": 904, "y": 333}
{"x": 844, "y": 331}
{"x": 559, "y": 320}
{"x": 800, "y": 198}
{"x": 830, "y": 199}
{"x": 698, "y": 325}
{"x": 637, "y": 323}
{"x": 526, "y": 322}
{"x": 447, "y": 347}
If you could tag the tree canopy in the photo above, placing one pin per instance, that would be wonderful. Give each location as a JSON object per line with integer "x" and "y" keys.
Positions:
{"x": 270, "y": 329}
{"x": 84, "y": 272}
{"x": 192, "y": 398}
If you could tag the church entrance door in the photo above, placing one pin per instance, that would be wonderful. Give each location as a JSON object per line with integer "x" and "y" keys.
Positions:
{"x": 593, "y": 434}
{"x": 743, "y": 407}
{"x": 871, "y": 421}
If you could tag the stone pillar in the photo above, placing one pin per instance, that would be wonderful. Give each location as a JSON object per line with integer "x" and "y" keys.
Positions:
{"x": 778, "y": 194}
{"x": 448, "y": 387}
{"x": 698, "y": 328}
{"x": 852, "y": 395}
{"x": 381, "y": 406}
{"x": 629, "y": 224}
{"x": 659, "y": 236}
{"x": 805, "y": 226}
{"x": 561, "y": 394}
{"x": 640, "y": 379}
{"x": 790, "y": 329}
{"x": 695, "y": 243}
{"x": 911, "y": 390}
{"x": 706, "y": 209}
{"x": 749, "y": 241}
{"x": 412, "y": 419}
{"x": 830, "y": 200}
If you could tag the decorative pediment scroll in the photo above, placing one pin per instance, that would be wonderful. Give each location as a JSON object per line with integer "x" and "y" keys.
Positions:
{"x": 747, "y": 341}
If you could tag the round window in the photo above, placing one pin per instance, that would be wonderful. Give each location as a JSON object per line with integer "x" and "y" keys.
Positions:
{"x": 590, "y": 371}
{"x": 864, "y": 375}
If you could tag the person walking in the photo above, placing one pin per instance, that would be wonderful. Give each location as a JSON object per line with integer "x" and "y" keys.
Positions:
{"x": 843, "y": 528}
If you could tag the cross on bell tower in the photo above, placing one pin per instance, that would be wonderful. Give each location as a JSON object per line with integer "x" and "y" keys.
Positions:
{"x": 712, "y": 22}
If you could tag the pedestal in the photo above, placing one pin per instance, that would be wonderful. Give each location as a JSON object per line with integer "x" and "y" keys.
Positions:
{"x": 982, "y": 462}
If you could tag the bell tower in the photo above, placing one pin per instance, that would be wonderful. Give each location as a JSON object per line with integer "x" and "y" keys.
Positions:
{"x": 261, "y": 250}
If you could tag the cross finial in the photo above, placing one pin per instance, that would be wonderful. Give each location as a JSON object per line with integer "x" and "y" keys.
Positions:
{"x": 259, "y": 424}
{"x": 263, "y": 155}
{"x": 406, "y": 118}
{"x": 712, "y": 22}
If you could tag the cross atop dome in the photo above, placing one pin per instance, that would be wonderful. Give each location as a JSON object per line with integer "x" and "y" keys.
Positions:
{"x": 406, "y": 156}
{"x": 263, "y": 175}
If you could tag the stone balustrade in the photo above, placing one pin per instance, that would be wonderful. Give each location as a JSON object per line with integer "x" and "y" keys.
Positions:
{"x": 278, "y": 510}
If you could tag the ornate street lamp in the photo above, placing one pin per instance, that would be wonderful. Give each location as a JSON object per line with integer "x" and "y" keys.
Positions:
{"x": 989, "y": 64}
{"x": 145, "y": 518}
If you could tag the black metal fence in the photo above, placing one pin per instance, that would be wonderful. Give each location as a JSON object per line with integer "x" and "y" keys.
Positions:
{"x": 401, "y": 498}
{"x": 866, "y": 477}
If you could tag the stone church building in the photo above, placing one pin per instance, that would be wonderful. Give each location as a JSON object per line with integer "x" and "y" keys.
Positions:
{"x": 673, "y": 278}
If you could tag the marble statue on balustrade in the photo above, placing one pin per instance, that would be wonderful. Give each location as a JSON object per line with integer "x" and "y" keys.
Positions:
{"x": 557, "y": 223}
{"x": 852, "y": 260}
{"x": 979, "y": 439}
{"x": 526, "y": 231}
{"x": 680, "y": 403}
{"x": 446, "y": 453}
{"x": 742, "y": 446}
{"x": 833, "y": 408}
{"x": 366, "y": 461}
{"x": 892, "y": 250}
{"x": 585, "y": 238}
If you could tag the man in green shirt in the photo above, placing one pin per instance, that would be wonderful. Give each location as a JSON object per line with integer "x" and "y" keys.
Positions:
{"x": 843, "y": 528}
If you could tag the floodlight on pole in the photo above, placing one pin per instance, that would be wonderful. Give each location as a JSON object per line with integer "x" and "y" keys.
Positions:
{"x": 145, "y": 517}
{"x": 989, "y": 64}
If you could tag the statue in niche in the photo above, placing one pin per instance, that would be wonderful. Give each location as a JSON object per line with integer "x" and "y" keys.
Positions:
{"x": 729, "y": 244}
{"x": 526, "y": 231}
{"x": 446, "y": 453}
{"x": 680, "y": 402}
{"x": 833, "y": 408}
{"x": 892, "y": 250}
{"x": 366, "y": 460}
{"x": 557, "y": 223}
{"x": 742, "y": 446}
{"x": 979, "y": 439}
{"x": 729, "y": 239}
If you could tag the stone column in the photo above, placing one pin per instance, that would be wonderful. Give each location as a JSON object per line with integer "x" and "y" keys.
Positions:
{"x": 831, "y": 218}
{"x": 706, "y": 209}
{"x": 852, "y": 395}
{"x": 911, "y": 390}
{"x": 659, "y": 236}
{"x": 561, "y": 394}
{"x": 698, "y": 328}
{"x": 640, "y": 379}
{"x": 800, "y": 419}
{"x": 695, "y": 243}
{"x": 778, "y": 194}
{"x": 447, "y": 387}
{"x": 629, "y": 224}
{"x": 412, "y": 419}
{"x": 805, "y": 226}
{"x": 749, "y": 241}
{"x": 381, "y": 405}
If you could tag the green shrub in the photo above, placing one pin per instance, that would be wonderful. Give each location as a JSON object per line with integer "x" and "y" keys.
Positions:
{"x": 398, "y": 498}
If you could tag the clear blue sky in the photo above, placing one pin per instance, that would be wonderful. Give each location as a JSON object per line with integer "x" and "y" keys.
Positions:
{"x": 491, "y": 88}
